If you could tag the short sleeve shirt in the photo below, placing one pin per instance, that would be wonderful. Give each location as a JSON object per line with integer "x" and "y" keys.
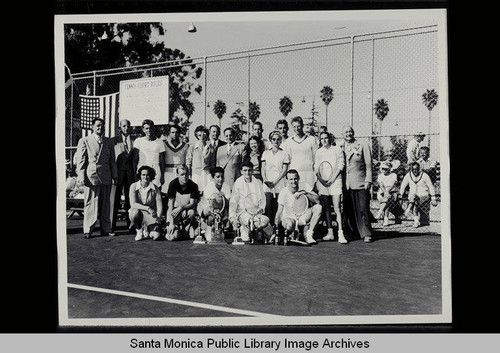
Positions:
{"x": 286, "y": 198}
{"x": 180, "y": 194}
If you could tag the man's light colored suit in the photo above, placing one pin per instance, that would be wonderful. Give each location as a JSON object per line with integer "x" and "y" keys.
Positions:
{"x": 230, "y": 161}
{"x": 96, "y": 166}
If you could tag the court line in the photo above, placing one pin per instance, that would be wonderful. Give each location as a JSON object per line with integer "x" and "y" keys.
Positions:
{"x": 172, "y": 301}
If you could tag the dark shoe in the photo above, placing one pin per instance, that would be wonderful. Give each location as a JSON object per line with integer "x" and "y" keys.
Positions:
{"x": 87, "y": 236}
{"x": 368, "y": 239}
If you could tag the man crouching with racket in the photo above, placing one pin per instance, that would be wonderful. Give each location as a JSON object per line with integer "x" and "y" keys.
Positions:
{"x": 247, "y": 204}
{"x": 293, "y": 207}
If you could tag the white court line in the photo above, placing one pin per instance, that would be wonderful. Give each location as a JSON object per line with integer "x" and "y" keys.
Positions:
{"x": 169, "y": 300}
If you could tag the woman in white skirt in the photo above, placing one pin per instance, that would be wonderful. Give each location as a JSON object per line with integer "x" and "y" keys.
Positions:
{"x": 332, "y": 186}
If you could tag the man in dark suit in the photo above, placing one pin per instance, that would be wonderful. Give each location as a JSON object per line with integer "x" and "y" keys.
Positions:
{"x": 123, "y": 145}
{"x": 214, "y": 143}
{"x": 96, "y": 170}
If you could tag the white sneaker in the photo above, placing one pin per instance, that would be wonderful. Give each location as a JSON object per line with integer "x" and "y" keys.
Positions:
{"x": 139, "y": 235}
{"x": 416, "y": 222}
{"x": 342, "y": 239}
{"x": 329, "y": 236}
{"x": 309, "y": 237}
{"x": 386, "y": 221}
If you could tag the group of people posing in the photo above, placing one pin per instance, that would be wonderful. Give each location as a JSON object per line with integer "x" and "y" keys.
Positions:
{"x": 168, "y": 184}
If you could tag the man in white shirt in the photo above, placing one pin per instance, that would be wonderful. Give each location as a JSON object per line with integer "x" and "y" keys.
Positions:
{"x": 413, "y": 147}
{"x": 239, "y": 215}
{"x": 286, "y": 198}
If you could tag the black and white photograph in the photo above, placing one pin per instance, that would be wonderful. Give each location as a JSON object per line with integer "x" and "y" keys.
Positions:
{"x": 253, "y": 168}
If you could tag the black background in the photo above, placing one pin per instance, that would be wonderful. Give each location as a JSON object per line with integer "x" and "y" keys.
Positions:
{"x": 29, "y": 261}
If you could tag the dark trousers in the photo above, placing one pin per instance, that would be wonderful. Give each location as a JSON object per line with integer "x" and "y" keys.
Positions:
{"x": 271, "y": 206}
{"x": 357, "y": 211}
{"x": 124, "y": 187}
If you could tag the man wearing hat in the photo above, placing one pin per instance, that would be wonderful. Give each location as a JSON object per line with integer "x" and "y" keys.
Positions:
{"x": 387, "y": 194}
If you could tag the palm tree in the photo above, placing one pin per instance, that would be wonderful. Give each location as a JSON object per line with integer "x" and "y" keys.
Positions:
{"x": 219, "y": 110}
{"x": 286, "y": 106}
{"x": 430, "y": 99}
{"x": 381, "y": 110}
{"x": 254, "y": 111}
{"x": 327, "y": 97}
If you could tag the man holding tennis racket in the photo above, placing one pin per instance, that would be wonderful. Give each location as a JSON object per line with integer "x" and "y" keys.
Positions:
{"x": 215, "y": 199}
{"x": 294, "y": 207}
{"x": 248, "y": 203}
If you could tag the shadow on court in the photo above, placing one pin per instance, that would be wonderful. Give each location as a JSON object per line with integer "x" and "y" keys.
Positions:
{"x": 397, "y": 274}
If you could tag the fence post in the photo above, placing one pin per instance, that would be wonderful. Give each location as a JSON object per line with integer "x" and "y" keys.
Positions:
{"x": 352, "y": 81}
{"x": 71, "y": 117}
{"x": 205, "y": 91}
{"x": 93, "y": 82}
{"x": 248, "y": 108}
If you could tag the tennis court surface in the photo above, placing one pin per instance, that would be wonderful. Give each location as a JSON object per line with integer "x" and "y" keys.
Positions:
{"x": 117, "y": 277}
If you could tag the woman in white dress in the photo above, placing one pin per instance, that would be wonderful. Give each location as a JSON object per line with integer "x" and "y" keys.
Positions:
{"x": 302, "y": 150}
{"x": 150, "y": 152}
{"x": 331, "y": 187}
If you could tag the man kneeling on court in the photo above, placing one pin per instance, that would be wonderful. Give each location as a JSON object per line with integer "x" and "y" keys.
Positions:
{"x": 215, "y": 198}
{"x": 248, "y": 203}
{"x": 182, "y": 198}
{"x": 145, "y": 205}
{"x": 293, "y": 207}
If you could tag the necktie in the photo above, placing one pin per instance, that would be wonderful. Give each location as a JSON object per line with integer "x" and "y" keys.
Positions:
{"x": 125, "y": 144}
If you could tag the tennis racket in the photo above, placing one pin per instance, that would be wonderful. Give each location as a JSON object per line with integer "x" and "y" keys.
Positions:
{"x": 235, "y": 204}
{"x": 216, "y": 205}
{"x": 325, "y": 170}
{"x": 298, "y": 208}
{"x": 252, "y": 205}
{"x": 272, "y": 175}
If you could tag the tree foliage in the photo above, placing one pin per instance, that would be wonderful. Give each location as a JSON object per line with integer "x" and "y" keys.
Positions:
{"x": 326, "y": 94}
{"x": 254, "y": 110}
{"x": 430, "y": 99}
{"x": 381, "y": 109}
{"x": 285, "y": 105}
{"x": 219, "y": 110}
{"x": 238, "y": 123}
{"x": 93, "y": 47}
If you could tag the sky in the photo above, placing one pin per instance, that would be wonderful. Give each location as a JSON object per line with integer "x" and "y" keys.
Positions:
{"x": 403, "y": 67}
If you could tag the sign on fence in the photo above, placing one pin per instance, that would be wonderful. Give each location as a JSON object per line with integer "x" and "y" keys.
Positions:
{"x": 145, "y": 98}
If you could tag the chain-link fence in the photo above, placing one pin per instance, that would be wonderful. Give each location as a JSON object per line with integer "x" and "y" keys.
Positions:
{"x": 375, "y": 82}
